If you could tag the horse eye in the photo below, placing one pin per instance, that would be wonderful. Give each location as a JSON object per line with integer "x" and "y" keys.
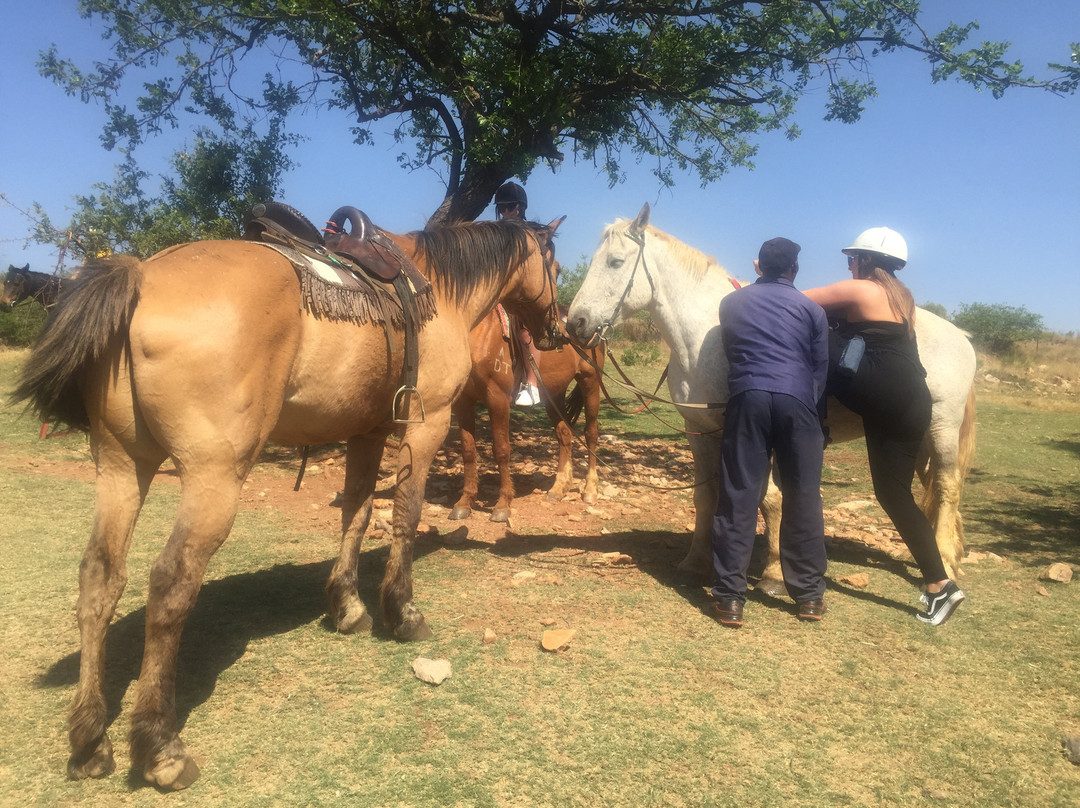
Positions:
{"x": 615, "y": 262}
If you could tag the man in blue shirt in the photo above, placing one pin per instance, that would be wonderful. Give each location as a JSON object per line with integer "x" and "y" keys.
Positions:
{"x": 776, "y": 343}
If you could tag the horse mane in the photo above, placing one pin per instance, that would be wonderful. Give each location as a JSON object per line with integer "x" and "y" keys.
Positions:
{"x": 468, "y": 255}
{"x": 697, "y": 263}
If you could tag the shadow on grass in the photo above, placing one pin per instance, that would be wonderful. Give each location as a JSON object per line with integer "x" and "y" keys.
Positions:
{"x": 657, "y": 555}
{"x": 229, "y": 614}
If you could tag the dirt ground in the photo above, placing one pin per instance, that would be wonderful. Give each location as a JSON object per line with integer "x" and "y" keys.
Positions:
{"x": 643, "y": 487}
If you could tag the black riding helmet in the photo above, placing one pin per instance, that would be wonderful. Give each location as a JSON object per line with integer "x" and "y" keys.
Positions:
{"x": 510, "y": 193}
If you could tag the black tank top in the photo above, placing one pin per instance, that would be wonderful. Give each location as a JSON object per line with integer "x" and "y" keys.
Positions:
{"x": 890, "y": 385}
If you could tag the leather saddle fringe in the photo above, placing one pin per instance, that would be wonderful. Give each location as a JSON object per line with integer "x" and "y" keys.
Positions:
{"x": 333, "y": 285}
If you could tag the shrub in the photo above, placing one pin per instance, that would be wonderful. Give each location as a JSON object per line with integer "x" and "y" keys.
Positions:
{"x": 20, "y": 326}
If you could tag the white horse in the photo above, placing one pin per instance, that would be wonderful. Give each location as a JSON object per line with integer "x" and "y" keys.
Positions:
{"x": 639, "y": 267}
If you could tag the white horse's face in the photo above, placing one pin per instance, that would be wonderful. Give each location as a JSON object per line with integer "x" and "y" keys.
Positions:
{"x": 616, "y": 285}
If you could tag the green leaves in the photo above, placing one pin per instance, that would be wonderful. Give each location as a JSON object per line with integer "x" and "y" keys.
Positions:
{"x": 489, "y": 89}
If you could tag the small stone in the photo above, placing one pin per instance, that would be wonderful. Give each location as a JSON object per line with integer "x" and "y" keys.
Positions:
{"x": 548, "y": 621}
{"x": 1041, "y": 590}
{"x": 524, "y": 575}
{"x": 557, "y": 640}
{"x": 859, "y": 580}
{"x": 1071, "y": 746}
{"x": 432, "y": 671}
{"x": 489, "y": 636}
{"x": 1057, "y": 571}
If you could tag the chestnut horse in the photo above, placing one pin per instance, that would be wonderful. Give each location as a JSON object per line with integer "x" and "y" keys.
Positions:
{"x": 491, "y": 383}
{"x": 202, "y": 354}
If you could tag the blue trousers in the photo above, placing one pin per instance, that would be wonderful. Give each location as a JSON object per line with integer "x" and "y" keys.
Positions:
{"x": 758, "y": 424}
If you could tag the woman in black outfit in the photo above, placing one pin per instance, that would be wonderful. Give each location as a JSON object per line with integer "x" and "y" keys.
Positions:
{"x": 889, "y": 391}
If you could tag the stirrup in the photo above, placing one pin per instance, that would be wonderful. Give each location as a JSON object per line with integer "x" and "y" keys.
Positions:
{"x": 399, "y": 396}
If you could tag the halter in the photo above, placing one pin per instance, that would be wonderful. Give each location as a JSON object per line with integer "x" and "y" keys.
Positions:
{"x": 603, "y": 331}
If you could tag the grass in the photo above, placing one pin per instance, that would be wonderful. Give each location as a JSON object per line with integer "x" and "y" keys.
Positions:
{"x": 652, "y": 705}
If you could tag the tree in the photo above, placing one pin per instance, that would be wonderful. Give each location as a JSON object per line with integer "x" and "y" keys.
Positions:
{"x": 491, "y": 89}
{"x": 997, "y": 327}
{"x": 215, "y": 182}
{"x": 936, "y": 308}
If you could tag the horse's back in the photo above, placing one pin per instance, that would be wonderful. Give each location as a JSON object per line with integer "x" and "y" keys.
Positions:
{"x": 949, "y": 359}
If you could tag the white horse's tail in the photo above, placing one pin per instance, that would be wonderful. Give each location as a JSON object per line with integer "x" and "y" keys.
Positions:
{"x": 945, "y": 486}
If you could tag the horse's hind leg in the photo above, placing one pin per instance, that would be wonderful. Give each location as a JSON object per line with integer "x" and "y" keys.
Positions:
{"x": 564, "y": 470}
{"x": 414, "y": 462}
{"x": 121, "y": 486}
{"x": 361, "y": 471}
{"x": 208, "y": 505}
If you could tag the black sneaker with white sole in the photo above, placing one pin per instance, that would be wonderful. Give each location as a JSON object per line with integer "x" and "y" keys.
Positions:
{"x": 941, "y": 605}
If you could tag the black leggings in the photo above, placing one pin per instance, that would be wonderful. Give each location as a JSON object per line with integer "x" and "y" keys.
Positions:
{"x": 892, "y": 467}
{"x": 890, "y": 394}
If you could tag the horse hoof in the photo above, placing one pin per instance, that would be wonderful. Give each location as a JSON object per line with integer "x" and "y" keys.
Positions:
{"x": 500, "y": 515}
{"x": 589, "y": 497}
{"x": 99, "y": 763}
{"x": 693, "y": 573}
{"x": 173, "y": 774}
{"x": 354, "y": 624}
{"x": 414, "y": 631}
{"x": 555, "y": 496}
{"x": 771, "y": 587}
{"x": 460, "y": 512}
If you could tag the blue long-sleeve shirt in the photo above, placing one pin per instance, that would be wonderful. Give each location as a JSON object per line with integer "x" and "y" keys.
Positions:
{"x": 775, "y": 339}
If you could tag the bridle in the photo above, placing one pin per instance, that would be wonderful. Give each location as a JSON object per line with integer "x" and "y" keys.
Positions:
{"x": 544, "y": 243}
{"x": 605, "y": 328}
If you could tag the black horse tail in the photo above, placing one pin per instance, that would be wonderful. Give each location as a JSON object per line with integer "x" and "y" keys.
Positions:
{"x": 573, "y": 404}
{"x": 94, "y": 311}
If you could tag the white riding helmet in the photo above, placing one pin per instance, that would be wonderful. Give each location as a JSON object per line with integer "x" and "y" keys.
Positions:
{"x": 880, "y": 240}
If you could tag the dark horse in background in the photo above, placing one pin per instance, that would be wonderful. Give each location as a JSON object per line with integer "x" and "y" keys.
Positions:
{"x": 24, "y": 284}
{"x": 491, "y": 383}
{"x": 202, "y": 354}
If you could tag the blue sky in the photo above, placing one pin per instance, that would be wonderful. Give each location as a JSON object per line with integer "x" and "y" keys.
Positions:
{"x": 985, "y": 191}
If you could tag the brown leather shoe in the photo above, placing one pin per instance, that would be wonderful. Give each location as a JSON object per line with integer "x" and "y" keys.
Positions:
{"x": 727, "y": 612}
{"x": 811, "y": 609}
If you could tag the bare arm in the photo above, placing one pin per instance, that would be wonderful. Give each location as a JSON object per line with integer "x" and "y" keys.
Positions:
{"x": 854, "y": 300}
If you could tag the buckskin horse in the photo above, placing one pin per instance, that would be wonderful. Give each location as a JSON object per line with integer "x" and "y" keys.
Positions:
{"x": 202, "y": 354}
{"x": 640, "y": 267}
{"x": 491, "y": 383}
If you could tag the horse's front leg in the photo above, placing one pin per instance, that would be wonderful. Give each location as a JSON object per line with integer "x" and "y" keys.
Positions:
{"x": 697, "y": 565}
{"x": 592, "y": 442}
{"x": 772, "y": 577}
{"x": 362, "y": 458}
{"x": 121, "y": 487}
{"x": 465, "y": 411}
{"x": 208, "y": 505}
{"x": 499, "y": 416}
{"x": 414, "y": 462}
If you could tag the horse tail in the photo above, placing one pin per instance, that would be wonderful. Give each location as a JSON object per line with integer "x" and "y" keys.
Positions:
{"x": 965, "y": 459}
{"x": 573, "y": 403}
{"x": 95, "y": 311}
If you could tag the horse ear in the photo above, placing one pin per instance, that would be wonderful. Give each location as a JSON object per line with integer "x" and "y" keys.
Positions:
{"x": 551, "y": 228}
{"x": 637, "y": 227}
